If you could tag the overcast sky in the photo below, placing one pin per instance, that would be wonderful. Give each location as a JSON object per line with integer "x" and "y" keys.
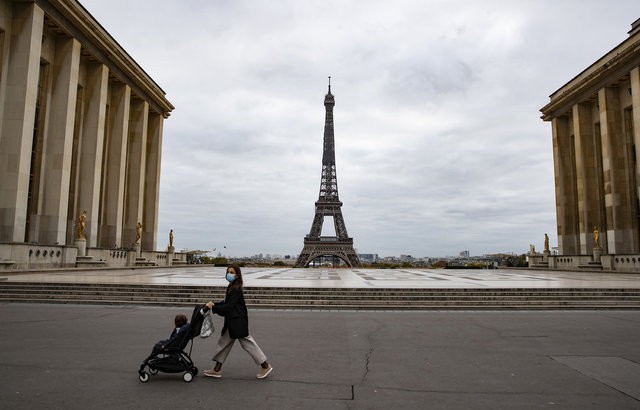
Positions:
{"x": 439, "y": 143}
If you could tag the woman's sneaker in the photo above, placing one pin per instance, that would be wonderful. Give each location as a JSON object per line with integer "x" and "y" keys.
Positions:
{"x": 264, "y": 372}
{"x": 212, "y": 373}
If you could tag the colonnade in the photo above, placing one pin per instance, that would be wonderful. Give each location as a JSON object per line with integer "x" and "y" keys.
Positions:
{"x": 595, "y": 151}
{"x": 80, "y": 129}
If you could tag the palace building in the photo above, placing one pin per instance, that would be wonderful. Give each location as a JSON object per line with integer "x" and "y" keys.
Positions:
{"x": 80, "y": 130}
{"x": 595, "y": 123}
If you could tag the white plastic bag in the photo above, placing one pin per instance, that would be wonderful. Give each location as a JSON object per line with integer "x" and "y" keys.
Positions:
{"x": 207, "y": 325}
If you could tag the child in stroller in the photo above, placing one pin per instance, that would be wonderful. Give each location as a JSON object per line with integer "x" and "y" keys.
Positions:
{"x": 169, "y": 356}
{"x": 182, "y": 324}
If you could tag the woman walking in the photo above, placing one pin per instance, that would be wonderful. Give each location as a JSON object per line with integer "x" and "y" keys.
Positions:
{"x": 236, "y": 326}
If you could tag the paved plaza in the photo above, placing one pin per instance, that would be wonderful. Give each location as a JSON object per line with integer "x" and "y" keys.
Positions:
{"x": 337, "y": 278}
{"x": 86, "y": 356}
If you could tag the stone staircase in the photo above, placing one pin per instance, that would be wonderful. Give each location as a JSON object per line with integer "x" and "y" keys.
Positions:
{"x": 324, "y": 298}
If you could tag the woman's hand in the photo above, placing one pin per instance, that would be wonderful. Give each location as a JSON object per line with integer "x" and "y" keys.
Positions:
{"x": 210, "y": 304}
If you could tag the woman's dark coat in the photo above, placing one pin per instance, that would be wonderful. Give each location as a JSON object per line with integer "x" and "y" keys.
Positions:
{"x": 234, "y": 311}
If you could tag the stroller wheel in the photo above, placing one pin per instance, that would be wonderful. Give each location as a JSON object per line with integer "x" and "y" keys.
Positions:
{"x": 153, "y": 370}
{"x": 144, "y": 377}
{"x": 194, "y": 370}
{"x": 187, "y": 377}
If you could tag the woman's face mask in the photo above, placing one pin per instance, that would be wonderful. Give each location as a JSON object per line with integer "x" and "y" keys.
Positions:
{"x": 231, "y": 277}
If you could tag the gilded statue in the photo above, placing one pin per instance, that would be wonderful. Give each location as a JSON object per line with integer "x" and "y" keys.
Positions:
{"x": 138, "y": 232}
{"x": 546, "y": 242}
{"x": 171, "y": 238}
{"x": 596, "y": 237}
{"x": 82, "y": 224}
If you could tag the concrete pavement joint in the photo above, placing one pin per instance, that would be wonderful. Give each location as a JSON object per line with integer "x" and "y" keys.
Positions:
{"x": 586, "y": 366}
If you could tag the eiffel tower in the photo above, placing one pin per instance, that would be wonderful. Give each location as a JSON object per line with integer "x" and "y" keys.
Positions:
{"x": 328, "y": 204}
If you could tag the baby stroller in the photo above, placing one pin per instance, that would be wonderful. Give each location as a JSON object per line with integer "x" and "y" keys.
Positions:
{"x": 172, "y": 358}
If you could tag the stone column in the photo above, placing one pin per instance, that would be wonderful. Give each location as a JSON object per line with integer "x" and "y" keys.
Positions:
{"x": 16, "y": 138}
{"x": 635, "y": 101}
{"x": 621, "y": 226}
{"x": 112, "y": 194}
{"x": 90, "y": 161}
{"x": 566, "y": 189}
{"x": 134, "y": 191}
{"x": 588, "y": 191}
{"x": 5, "y": 46}
{"x": 58, "y": 143}
{"x": 152, "y": 181}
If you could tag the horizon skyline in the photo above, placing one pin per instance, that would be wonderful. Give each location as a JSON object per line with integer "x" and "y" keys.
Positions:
{"x": 294, "y": 255}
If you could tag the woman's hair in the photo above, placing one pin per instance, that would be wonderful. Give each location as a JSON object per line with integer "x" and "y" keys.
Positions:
{"x": 237, "y": 283}
{"x": 180, "y": 320}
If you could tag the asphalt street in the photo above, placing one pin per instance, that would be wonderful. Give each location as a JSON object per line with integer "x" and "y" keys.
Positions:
{"x": 79, "y": 357}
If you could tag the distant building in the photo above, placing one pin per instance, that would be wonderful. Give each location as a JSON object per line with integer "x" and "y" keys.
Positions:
{"x": 595, "y": 121}
{"x": 368, "y": 257}
{"x": 464, "y": 254}
{"x": 80, "y": 130}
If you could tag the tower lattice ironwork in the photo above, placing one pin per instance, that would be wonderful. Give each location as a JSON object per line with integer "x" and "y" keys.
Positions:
{"x": 328, "y": 204}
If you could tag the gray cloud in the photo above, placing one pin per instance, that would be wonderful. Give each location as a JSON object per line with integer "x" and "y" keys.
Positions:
{"x": 439, "y": 144}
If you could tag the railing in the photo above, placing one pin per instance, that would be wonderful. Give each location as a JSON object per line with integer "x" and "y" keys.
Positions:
{"x": 327, "y": 239}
